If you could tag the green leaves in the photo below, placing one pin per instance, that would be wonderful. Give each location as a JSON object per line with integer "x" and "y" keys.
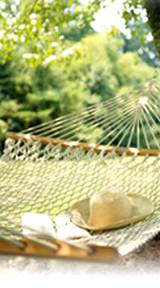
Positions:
{"x": 33, "y": 95}
{"x": 136, "y": 20}
{"x": 35, "y": 27}
{"x": 3, "y": 129}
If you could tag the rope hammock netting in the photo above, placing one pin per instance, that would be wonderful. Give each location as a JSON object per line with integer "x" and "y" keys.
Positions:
{"x": 50, "y": 167}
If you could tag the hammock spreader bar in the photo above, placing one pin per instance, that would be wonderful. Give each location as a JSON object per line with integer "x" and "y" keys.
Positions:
{"x": 98, "y": 148}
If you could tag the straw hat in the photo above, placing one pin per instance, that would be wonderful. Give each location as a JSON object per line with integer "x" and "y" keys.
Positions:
{"x": 110, "y": 210}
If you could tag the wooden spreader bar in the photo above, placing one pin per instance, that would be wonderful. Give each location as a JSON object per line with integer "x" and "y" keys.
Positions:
{"x": 96, "y": 147}
{"x": 65, "y": 250}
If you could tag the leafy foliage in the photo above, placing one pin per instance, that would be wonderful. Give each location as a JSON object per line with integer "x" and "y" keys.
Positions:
{"x": 30, "y": 96}
{"x": 42, "y": 31}
{"x": 35, "y": 28}
{"x": 142, "y": 20}
{"x": 52, "y": 62}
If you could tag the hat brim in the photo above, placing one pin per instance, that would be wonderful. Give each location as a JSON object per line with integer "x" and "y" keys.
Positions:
{"x": 141, "y": 207}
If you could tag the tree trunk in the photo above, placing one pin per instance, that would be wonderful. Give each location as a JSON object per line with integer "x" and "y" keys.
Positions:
{"x": 153, "y": 13}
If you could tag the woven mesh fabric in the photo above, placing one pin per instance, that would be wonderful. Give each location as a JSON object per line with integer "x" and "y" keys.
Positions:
{"x": 48, "y": 178}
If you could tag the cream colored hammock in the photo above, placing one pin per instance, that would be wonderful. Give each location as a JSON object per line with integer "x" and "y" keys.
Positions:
{"x": 48, "y": 168}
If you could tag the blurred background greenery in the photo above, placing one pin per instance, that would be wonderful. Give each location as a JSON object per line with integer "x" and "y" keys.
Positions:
{"x": 53, "y": 62}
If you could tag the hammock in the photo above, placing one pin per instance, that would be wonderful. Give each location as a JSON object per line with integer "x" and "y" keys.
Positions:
{"x": 47, "y": 168}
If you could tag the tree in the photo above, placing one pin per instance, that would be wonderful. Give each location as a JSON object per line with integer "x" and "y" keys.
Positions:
{"x": 153, "y": 12}
{"x": 36, "y": 27}
{"x": 39, "y": 28}
{"x": 142, "y": 18}
{"x": 33, "y": 95}
{"x": 88, "y": 67}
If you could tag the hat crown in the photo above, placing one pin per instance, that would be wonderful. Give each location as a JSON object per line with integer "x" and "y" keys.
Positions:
{"x": 109, "y": 207}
